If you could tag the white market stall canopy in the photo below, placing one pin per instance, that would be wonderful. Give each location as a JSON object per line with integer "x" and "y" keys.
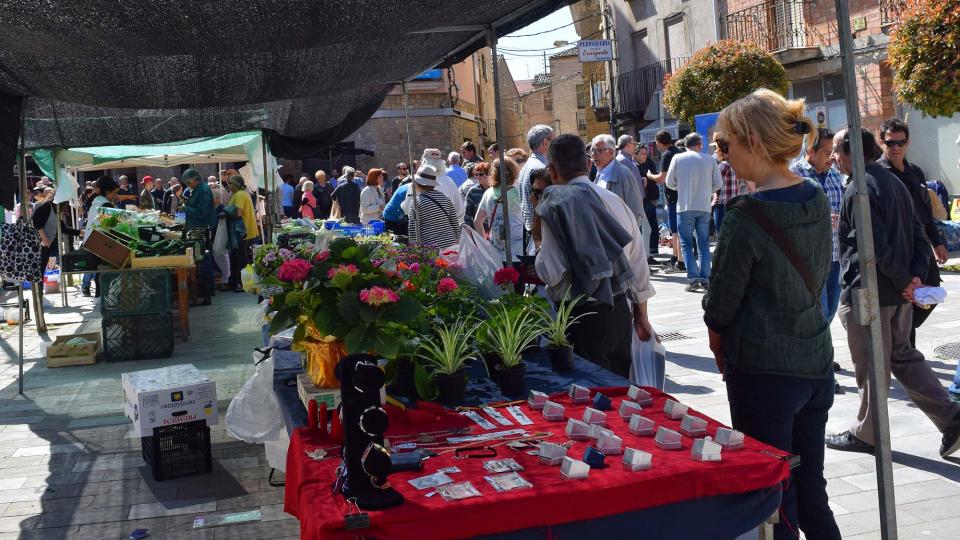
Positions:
{"x": 244, "y": 146}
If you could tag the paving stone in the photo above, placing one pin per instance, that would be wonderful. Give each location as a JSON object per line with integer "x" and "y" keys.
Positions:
{"x": 271, "y": 529}
{"x": 274, "y": 512}
{"x": 49, "y": 449}
{"x": 104, "y": 464}
{"x": 52, "y": 505}
{"x": 83, "y": 516}
{"x": 172, "y": 508}
{"x": 12, "y": 483}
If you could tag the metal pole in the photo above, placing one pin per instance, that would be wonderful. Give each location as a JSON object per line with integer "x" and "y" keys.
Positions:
{"x": 267, "y": 200}
{"x": 492, "y": 38}
{"x": 604, "y": 14}
{"x": 866, "y": 301}
{"x": 61, "y": 240}
{"x": 412, "y": 190}
{"x": 25, "y": 215}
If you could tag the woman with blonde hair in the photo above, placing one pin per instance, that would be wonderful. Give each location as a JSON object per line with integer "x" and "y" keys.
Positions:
{"x": 767, "y": 331}
{"x": 518, "y": 155}
{"x": 308, "y": 202}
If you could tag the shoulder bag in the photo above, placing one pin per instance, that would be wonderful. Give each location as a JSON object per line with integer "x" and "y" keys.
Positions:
{"x": 20, "y": 252}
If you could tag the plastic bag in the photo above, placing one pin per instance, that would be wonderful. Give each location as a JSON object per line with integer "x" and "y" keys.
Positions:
{"x": 649, "y": 362}
{"x": 476, "y": 261}
{"x": 254, "y": 413}
{"x": 249, "y": 279}
{"x": 221, "y": 239}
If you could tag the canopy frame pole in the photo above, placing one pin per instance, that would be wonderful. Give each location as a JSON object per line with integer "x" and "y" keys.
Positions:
{"x": 866, "y": 299}
{"x": 61, "y": 240}
{"x": 413, "y": 224}
{"x": 24, "y": 214}
{"x": 504, "y": 187}
{"x": 267, "y": 233}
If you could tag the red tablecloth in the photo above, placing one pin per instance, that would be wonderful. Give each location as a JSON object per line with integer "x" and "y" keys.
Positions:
{"x": 553, "y": 500}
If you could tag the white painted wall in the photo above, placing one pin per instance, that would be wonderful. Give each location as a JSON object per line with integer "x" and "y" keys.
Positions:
{"x": 934, "y": 148}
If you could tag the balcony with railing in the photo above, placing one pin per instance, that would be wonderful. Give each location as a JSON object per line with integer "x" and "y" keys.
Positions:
{"x": 773, "y": 25}
{"x": 634, "y": 89}
{"x": 890, "y": 10}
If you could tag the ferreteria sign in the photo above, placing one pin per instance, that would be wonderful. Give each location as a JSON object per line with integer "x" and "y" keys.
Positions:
{"x": 597, "y": 50}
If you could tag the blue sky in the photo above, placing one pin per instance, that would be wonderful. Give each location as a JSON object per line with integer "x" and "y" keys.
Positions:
{"x": 525, "y": 63}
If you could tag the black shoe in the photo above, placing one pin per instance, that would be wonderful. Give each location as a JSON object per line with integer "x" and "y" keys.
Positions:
{"x": 951, "y": 437}
{"x": 85, "y": 291}
{"x": 836, "y": 366}
{"x": 846, "y": 442}
{"x": 652, "y": 262}
{"x": 681, "y": 267}
{"x": 837, "y": 389}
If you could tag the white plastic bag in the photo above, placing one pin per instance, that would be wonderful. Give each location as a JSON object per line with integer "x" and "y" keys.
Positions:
{"x": 254, "y": 413}
{"x": 649, "y": 362}
{"x": 220, "y": 240}
{"x": 477, "y": 261}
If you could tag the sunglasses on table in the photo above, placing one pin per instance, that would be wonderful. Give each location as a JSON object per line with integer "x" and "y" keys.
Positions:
{"x": 891, "y": 142}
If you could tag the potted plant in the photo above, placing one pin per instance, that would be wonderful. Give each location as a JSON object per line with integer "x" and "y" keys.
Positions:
{"x": 556, "y": 328}
{"x": 446, "y": 354}
{"x": 510, "y": 331}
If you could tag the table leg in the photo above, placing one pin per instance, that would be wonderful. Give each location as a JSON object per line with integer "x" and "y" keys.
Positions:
{"x": 765, "y": 530}
{"x": 183, "y": 297}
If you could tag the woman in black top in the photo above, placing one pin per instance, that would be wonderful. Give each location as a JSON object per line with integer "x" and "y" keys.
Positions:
{"x": 651, "y": 195}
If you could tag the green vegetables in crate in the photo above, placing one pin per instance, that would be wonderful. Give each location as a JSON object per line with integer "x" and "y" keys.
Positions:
{"x": 156, "y": 249}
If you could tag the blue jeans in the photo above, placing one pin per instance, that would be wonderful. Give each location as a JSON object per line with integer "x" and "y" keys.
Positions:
{"x": 954, "y": 388}
{"x": 789, "y": 413}
{"x": 87, "y": 278}
{"x": 830, "y": 297}
{"x": 689, "y": 223}
{"x": 719, "y": 211}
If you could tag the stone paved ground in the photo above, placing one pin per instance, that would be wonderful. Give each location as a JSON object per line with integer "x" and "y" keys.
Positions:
{"x": 70, "y": 468}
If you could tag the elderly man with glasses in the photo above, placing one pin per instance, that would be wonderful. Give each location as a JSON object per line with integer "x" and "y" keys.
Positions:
{"x": 538, "y": 139}
{"x": 617, "y": 178}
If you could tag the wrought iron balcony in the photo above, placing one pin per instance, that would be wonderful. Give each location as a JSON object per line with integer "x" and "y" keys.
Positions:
{"x": 890, "y": 10}
{"x": 773, "y": 25}
{"x": 634, "y": 89}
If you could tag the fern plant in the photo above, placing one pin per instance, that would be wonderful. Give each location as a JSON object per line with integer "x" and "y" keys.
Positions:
{"x": 510, "y": 331}
{"x": 557, "y": 327}
{"x": 450, "y": 348}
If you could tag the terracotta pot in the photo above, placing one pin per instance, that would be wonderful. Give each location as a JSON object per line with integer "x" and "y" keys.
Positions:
{"x": 452, "y": 388}
{"x": 512, "y": 380}
{"x": 561, "y": 358}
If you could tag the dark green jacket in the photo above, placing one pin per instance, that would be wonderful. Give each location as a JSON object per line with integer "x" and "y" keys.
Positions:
{"x": 199, "y": 207}
{"x": 770, "y": 322}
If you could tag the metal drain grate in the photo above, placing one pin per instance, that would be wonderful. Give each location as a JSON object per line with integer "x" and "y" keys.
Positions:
{"x": 948, "y": 351}
{"x": 672, "y": 336}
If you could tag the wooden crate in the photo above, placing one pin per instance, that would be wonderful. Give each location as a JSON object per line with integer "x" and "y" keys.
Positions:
{"x": 59, "y": 354}
{"x": 163, "y": 261}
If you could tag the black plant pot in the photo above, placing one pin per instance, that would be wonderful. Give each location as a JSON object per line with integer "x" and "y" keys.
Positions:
{"x": 492, "y": 360}
{"x": 404, "y": 384}
{"x": 452, "y": 388}
{"x": 511, "y": 380}
{"x": 561, "y": 358}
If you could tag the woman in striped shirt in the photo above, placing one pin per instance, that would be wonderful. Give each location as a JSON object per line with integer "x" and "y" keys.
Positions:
{"x": 434, "y": 221}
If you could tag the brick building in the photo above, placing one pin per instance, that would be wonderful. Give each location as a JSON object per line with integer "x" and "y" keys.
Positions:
{"x": 803, "y": 36}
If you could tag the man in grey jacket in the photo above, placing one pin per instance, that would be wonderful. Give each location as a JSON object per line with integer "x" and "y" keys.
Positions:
{"x": 616, "y": 178}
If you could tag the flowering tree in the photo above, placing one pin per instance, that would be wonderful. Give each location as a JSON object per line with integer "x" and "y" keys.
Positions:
{"x": 718, "y": 75}
{"x": 925, "y": 54}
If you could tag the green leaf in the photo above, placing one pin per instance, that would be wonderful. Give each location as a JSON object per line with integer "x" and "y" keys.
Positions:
{"x": 300, "y": 333}
{"x": 368, "y": 313}
{"x": 325, "y": 320}
{"x": 282, "y": 320}
{"x": 350, "y": 307}
{"x": 350, "y": 253}
{"x": 426, "y": 386}
{"x": 293, "y": 298}
{"x": 386, "y": 345}
{"x": 405, "y": 310}
{"x": 359, "y": 339}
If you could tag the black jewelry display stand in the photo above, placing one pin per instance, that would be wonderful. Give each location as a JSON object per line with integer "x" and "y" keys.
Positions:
{"x": 360, "y": 384}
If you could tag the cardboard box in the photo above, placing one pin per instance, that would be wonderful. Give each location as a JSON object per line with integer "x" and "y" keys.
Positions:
{"x": 59, "y": 354}
{"x": 167, "y": 396}
{"x": 307, "y": 391}
{"x": 108, "y": 247}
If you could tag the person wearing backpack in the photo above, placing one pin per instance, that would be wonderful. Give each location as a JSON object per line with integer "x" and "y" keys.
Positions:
{"x": 490, "y": 213}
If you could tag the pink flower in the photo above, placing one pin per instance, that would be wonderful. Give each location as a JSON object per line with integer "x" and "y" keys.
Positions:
{"x": 504, "y": 276}
{"x": 322, "y": 256}
{"x": 294, "y": 271}
{"x": 377, "y": 296}
{"x": 415, "y": 267}
{"x": 446, "y": 285}
{"x": 343, "y": 269}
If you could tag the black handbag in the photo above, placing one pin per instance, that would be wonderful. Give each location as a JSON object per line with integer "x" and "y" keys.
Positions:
{"x": 20, "y": 252}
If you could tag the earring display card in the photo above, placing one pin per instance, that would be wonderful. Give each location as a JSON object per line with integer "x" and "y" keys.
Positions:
{"x": 551, "y": 454}
{"x": 507, "y": 481}
{"x": 674, "y": 410}
{"x": 602, "y": 402}
{"x": 502, "y": 465}
{"x": 641, "y": 425}
{"x": 640, "y": 396}
{"x": 430, "y": 481}
{"x": 593, "y": 416}
{"x": 610, "y": 445}
{"x": 460, "y": 490}
{"x": 537, "y": 400}
{"x": 637, "y": 460}
{"x": 729, "y": 439}
{"x": 577, "y": 430}
{"x": 594, "y": 458}
{"x": 705, "y": 449}
{"x": 668, "y": 439}
{"x": 573, "y": 469}
{"x": 691, "y": 426}
{"x": 628, "y": 409}
{"x": 553, "y": 411}
{"x": 579, "y": 394}
{"x": 596, "y": 431}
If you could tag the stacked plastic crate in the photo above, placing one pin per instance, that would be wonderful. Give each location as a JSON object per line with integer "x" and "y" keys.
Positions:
{"x": 135, "y": 310}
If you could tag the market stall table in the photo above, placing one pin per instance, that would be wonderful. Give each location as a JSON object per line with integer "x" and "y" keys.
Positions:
{"x": 678, "y": 497}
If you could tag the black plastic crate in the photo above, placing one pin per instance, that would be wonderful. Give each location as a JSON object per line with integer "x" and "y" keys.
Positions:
{"x": 134, "y": 292}
{"x": 178, "y": 450}
{"x": 78, "y": 260}
{"x": 137, "y": 337}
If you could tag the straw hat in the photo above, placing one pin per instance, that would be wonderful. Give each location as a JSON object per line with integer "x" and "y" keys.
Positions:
{"x": 426, "y": 176}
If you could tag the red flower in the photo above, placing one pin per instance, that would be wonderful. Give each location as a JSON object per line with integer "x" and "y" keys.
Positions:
{"x": 441, "y": 263}
{"x": 322, "y": 256}
{"x": 409, "y": 286}
{"x": 504, "y": 276}
{"x": 446, "y": 285}
{"x": 294, "y": 271}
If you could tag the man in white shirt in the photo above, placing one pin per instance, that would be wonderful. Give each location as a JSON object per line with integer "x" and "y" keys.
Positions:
{"x": 695, "y": 176}
{"x": 433, "y": 157}
{"x": 615, "y": 305}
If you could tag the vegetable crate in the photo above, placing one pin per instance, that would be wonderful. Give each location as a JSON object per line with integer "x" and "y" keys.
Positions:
{"x": 80, "y": 259}
{"x": 62, "y": 354}
{"x": 134, "y": 293}
{"x": 178, "y": 450}
{"x": 137, "y": 337}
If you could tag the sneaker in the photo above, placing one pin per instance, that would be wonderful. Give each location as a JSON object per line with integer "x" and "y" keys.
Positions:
{"x": 837, "y": 389}
{"x": 692, "y": 287}
{"x": 681, "y": 267}
{"x": 704, "y": 286}
{"x": 836, "y": 366}
{"x": 85, "y": 291}
{"x": 951, "y": 437}
{"x": 846, "y": 442}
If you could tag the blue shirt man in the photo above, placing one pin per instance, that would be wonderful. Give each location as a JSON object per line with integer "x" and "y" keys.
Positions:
{"x": 286, "y": 199}
{"x": 455, "y": 171}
